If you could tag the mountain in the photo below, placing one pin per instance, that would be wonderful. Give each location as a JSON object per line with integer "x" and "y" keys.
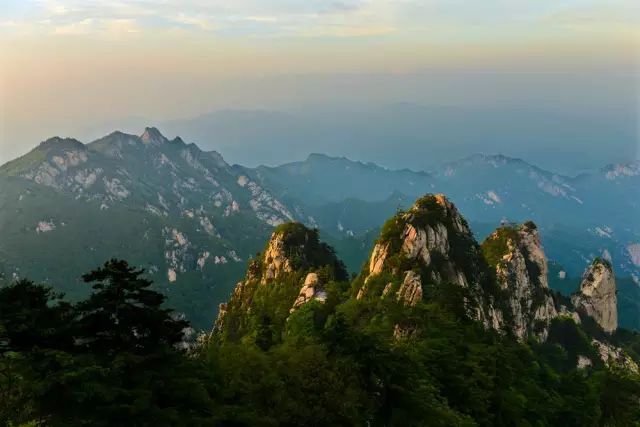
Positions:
{"x": 419, "y": 137}
{"x": 502, "y": 283}
{"x": 321, "y": 179}
{"x": 436, "y": 330}
{"x": 598, "y": 209}
{"x": 180, "y": 212}
{"x": 193, "y": 221}
{"x": 434, "y": 323}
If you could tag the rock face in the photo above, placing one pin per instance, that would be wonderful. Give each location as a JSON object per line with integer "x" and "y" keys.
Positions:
{"x": 614, "y": 356}
{"x": 276, "y": 262}
{"x": 521, "y": 272}
{"x": 240, "y": 299}
{"x": 311, "y": 289}
{"x": 597, "y": 295}
{"x": 429, "y": 243}
{"x": 410, "y": 292}
{"x": 379, "y": 255}
{"x": 423, "y": 234}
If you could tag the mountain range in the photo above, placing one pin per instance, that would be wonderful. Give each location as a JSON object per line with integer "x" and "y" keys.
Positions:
{"x": 193, "y": 220}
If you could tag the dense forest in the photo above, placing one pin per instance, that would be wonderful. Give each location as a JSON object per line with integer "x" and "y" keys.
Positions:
{"x": 120, "y": 358}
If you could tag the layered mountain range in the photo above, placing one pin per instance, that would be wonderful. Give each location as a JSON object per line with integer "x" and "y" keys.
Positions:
{"x": 193, "y": 221}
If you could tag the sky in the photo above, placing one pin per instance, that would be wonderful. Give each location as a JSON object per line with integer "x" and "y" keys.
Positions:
{"x": 71, "y": 67}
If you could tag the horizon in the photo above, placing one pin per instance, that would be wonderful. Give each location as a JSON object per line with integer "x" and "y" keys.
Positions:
{"x": 307, "y": 157}
{"x": 71, "y": 67}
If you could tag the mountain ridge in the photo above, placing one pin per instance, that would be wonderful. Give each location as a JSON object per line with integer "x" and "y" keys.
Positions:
{"x": 176, "y": 186}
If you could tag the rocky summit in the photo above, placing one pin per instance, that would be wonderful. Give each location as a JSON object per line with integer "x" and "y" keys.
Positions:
{"x": 293, "y": 269}
{"x": 597, "y": 296}
{"x": 516, "y": 254}
{"x": 422, "y": 254}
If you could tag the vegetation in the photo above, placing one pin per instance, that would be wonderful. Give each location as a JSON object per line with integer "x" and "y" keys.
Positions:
{"x": 120, "y": 358}
{"x": 305, "y": 250}
{"x": 112, "y": 359}
{"x": 496, "y": 245}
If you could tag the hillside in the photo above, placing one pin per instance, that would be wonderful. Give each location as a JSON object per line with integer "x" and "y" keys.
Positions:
{"x": 193, "y": 221}
{"x": 436, "y": 329}
{"x": 179, "y": 212}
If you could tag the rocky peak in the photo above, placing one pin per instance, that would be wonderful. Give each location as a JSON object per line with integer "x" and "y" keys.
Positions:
{"x": 597, "y": 296}
{"x": 516, "y": 254}
{"x": 423, "y": 234}
{"x": 152, "y": 135}
{"x": 509, "y": 245}
{"x": 294, "y": 247}
{"x": 295, "y": 265}
{"x": 217, "y": 157}
{"x": 276, "y": 259}
{"x": 429, "y": 243}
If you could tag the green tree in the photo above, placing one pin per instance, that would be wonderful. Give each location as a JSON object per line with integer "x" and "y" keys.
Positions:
{"x": 140, "y": 375}
{"x": 34, "y": 337}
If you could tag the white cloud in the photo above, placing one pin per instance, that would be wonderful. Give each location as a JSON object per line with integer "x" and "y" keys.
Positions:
{"x": 346, "y": 31}
{"x": 201, "y": 22}
{"x": 103, "y": 27}
{"x": 75, "y": 28}
{"x": 329, "y": 18}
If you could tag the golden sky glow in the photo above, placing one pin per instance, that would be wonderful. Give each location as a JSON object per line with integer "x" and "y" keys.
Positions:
{"x": 69, "y": 61}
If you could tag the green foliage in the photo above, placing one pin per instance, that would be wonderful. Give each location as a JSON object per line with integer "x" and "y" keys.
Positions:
{"x": 495, "y": 246}
{"x": 114, "y": 359}
{"x": 304, "y": 249}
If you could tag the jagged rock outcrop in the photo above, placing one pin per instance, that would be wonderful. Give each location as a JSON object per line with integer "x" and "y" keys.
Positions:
{"x": 294, "y": 268}
{"x": 430, "y": 243}
{"x": 379, "y": 255}
{"x": 311, "y": 289}
{"x": 423, "y": 234}
{"x": 410, "y": 292}
{"x": 615, "y": 356}
{"x": 152, "y": 135}
{"x": 597, "y": 296}
{"x": 521, "y": 272}
{"x": 276, "y": 261}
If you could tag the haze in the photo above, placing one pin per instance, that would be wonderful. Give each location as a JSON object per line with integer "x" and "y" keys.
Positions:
{"x": 403, "y": 83}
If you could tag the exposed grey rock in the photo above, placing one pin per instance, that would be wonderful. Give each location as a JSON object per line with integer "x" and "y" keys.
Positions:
{"x": 410, "y": 292}
{"x": 423, "y": 242}
{"x": 311, "y": 290}
{"x": 378, "y": 257}
{"x": 597, "y": 296}
{"x": 276, "y": 262}
{"x": 584, "y": 362}
{"x": 522, "y": 274}
{"x": 615, "y": 356}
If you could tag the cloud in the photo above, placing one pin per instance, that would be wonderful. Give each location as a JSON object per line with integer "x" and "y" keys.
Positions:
{"x": 608, "y": 18}
{"x": 81, "y": 17}
{"x": 201, "y": 22}
{"x": 347, "y": 31}
{"x": 75, "y": 28}
{"x": 443, "y": 20}
{"x": 113, "y": 28}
